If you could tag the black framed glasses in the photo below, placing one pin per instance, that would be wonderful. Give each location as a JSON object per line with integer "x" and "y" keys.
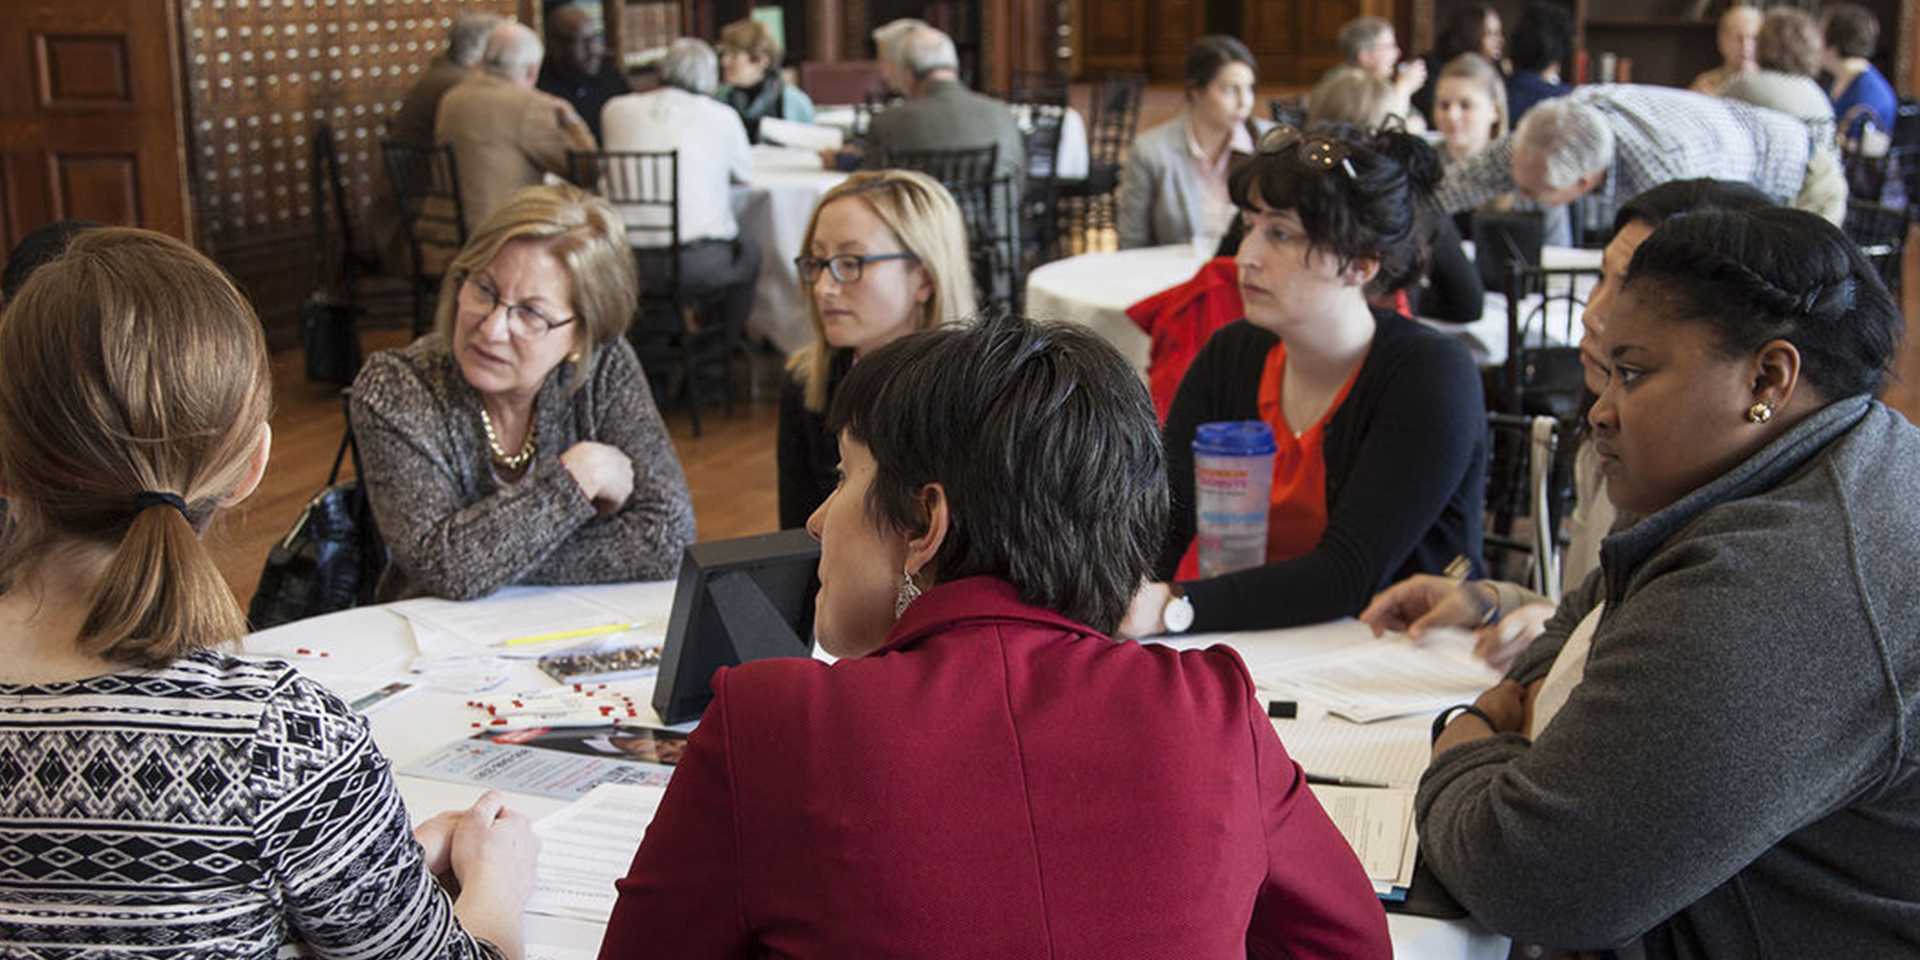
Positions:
{"x": 524, "y": 321}
{"x": 845, "y": 267}
{"x": 1315, "y": 154}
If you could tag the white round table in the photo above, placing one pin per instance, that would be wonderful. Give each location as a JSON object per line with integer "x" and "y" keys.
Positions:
{"x": 773, "y": 209}
{"x": 370, "y": 646}
{"x": 1095, "y": 290}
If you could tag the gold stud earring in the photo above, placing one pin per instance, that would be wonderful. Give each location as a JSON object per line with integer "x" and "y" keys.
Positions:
{"x": 1760, "y": 412}
{"x": 573, "y": 357}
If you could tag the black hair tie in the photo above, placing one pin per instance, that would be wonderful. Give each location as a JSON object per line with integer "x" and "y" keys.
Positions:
{"x": 155, "y": 498}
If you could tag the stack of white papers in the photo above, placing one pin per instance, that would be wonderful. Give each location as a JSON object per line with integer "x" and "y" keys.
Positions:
{"x": 586, "y": 846}
{"x": 1390, "y": 677}
{"x": 806, "y": 136}
{"x": 1393, "y": 755}
{"x": 1378, "y": 824}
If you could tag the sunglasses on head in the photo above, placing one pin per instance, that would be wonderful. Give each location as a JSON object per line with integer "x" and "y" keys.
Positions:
{"x": 1316, "y": 154}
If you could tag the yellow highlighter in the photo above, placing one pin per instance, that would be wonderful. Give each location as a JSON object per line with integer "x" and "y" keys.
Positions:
{"x": 599, "y": 631}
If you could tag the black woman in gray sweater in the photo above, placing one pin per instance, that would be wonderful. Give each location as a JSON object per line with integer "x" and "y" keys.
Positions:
{"x": 1710, "y": 751}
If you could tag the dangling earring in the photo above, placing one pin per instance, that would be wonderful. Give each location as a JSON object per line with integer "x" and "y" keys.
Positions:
{"x": 909, "y": 592}
{"x": 1760, "y": 412}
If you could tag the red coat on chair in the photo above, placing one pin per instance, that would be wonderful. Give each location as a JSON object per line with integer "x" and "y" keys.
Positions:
{"x": 1178, "y": 321}
{"x": 995, "y": 782}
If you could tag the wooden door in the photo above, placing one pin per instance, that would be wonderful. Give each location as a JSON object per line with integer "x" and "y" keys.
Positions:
{"x": 90, "y": 121}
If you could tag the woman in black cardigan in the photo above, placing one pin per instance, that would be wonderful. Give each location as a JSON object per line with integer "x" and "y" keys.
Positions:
{"x": 1392, "y": 411}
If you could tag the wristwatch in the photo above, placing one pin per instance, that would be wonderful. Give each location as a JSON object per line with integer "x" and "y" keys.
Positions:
{"x": 1177, "y": 615}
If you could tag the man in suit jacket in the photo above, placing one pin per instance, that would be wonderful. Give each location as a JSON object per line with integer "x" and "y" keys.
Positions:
{"x": 413, "y": 122}
{"x": 506, "y": 134}
{"x": 942, "y": 114}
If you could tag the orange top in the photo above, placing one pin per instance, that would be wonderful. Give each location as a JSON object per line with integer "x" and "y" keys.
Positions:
{"x": 1297, "y": 504}
{"x": 1297, "y": 514}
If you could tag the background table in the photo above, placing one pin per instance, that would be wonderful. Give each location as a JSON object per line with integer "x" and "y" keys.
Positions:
{"x": 773, "y": 209}
{"x": 371, "y": 645}
{"x": 1095, "y": 290}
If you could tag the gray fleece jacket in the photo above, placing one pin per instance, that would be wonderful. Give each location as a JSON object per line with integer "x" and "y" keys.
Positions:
{"x": 1738, "y": 775}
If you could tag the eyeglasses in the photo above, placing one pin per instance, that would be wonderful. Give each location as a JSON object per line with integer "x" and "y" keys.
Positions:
{"x": 524, "y": 321}
{"x": 1316, "y": 154}
{"x": 846, "y": 267}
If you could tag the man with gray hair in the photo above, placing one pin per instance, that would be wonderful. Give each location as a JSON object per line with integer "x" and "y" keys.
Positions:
{"x": 683, "y": 115}
{"x": 466, "y": 42}
{"x": 887, "y": 39}
{"x": 505, "y": 134}
{"x": 1620, "y": 140}
{"x": 1369, "y": 43}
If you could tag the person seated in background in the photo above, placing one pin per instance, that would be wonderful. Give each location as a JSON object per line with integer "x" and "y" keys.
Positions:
{"x": 884, "y": 255}
{"x": 714, "y": 260}
{"x": 1542, "y": 49}
{"x": 940, "y": 113}
{"x": 505, "y": 134}
{"x": 1469, "y": 108}
{"x": 1852, "y": 34}
{"x": 1368, "y": 44}
{"x": 750, "y": 78}
{"x": 1513, "y": 615}
{"x": 577, "y": 68}
{"x": 1380, "y": 421}
{"x": 133, "y": 414}
{"x": 1470, "y": 28}
{"x": 1625, "y": 139}
{"x": 413, "y": 123}
{"x": 40, "y": 246}
{"x": 1001, "y": 494}
{"x": 1788, "y": 56}
{"x": 1438, "y": 281}
{"x": 1707, "y": 753}
{"x": 518, "y": 442}
{"x": 1173, "y": 186}
{"x": 1738, "y": 38}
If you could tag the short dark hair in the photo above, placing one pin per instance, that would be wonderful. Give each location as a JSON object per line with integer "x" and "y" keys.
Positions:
{"x": 1778, "y": 274}
{"x": 1047, "y": 446}
{"x": 1852, "y": 29}
{"x": 1208, "y": 54}
{"x": 1657, "y": 205}
{"x": 1368, "y": 213}
{"x": 1461, "y": 32}
{"x": 1542, "y": 38}
{"x": 39, "y": 247}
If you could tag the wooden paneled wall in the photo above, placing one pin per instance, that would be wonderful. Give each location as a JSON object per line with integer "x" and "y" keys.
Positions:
{"x": 260, "y": 75}
{"x": 1293, "y": 41}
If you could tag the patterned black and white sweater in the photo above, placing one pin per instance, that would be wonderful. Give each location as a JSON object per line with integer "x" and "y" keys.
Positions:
{"x": 216, "y": 807}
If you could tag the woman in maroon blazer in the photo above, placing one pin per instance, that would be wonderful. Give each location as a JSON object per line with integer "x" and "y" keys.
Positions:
{"x": 985, "y": 773}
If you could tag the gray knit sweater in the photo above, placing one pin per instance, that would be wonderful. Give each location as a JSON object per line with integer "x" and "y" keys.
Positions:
{"x": 1738, "y": 773}
{"x": 457, "y": 531}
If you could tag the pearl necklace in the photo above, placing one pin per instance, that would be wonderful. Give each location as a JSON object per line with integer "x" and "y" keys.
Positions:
{"x": 518, "y": 460}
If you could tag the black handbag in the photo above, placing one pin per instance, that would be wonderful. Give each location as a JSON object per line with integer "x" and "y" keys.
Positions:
{"x": 330, "y": 337}
{"x": 331, "y": 559}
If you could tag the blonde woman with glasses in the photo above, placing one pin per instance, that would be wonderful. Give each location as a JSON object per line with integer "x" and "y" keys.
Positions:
{"x": 518, "y": 442}
{"x": 884, "y": 255}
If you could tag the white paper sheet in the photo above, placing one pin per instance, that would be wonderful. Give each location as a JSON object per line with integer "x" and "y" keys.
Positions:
{"x": 1393, "y": 754}
{"x": 586, "y": 846}
{"x": 1390, "y": 677}
{"x": 543, "y": 951}
{"x": 444, "y": 627}
{"x": 1378, "y": 825}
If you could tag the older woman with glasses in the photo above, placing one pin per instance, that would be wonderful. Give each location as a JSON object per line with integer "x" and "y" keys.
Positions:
{"x": 1379, "y": 421}
{"x": 885, "y": 255}
{"x": 518, "y": 442}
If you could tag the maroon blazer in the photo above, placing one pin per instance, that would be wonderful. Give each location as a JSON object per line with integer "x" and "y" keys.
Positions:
{"x": 995, "y": 782}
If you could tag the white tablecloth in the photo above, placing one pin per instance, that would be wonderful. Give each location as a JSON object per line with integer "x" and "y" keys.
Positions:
{"x": 1072, "y": 158}
{"x": 773, "y": 209}
{"x": 1095, "y": 290}
{"x": 372, "y": 644}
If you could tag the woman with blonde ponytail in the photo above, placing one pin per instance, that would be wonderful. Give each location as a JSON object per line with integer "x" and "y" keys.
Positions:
{"x": 133, "y": 410}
